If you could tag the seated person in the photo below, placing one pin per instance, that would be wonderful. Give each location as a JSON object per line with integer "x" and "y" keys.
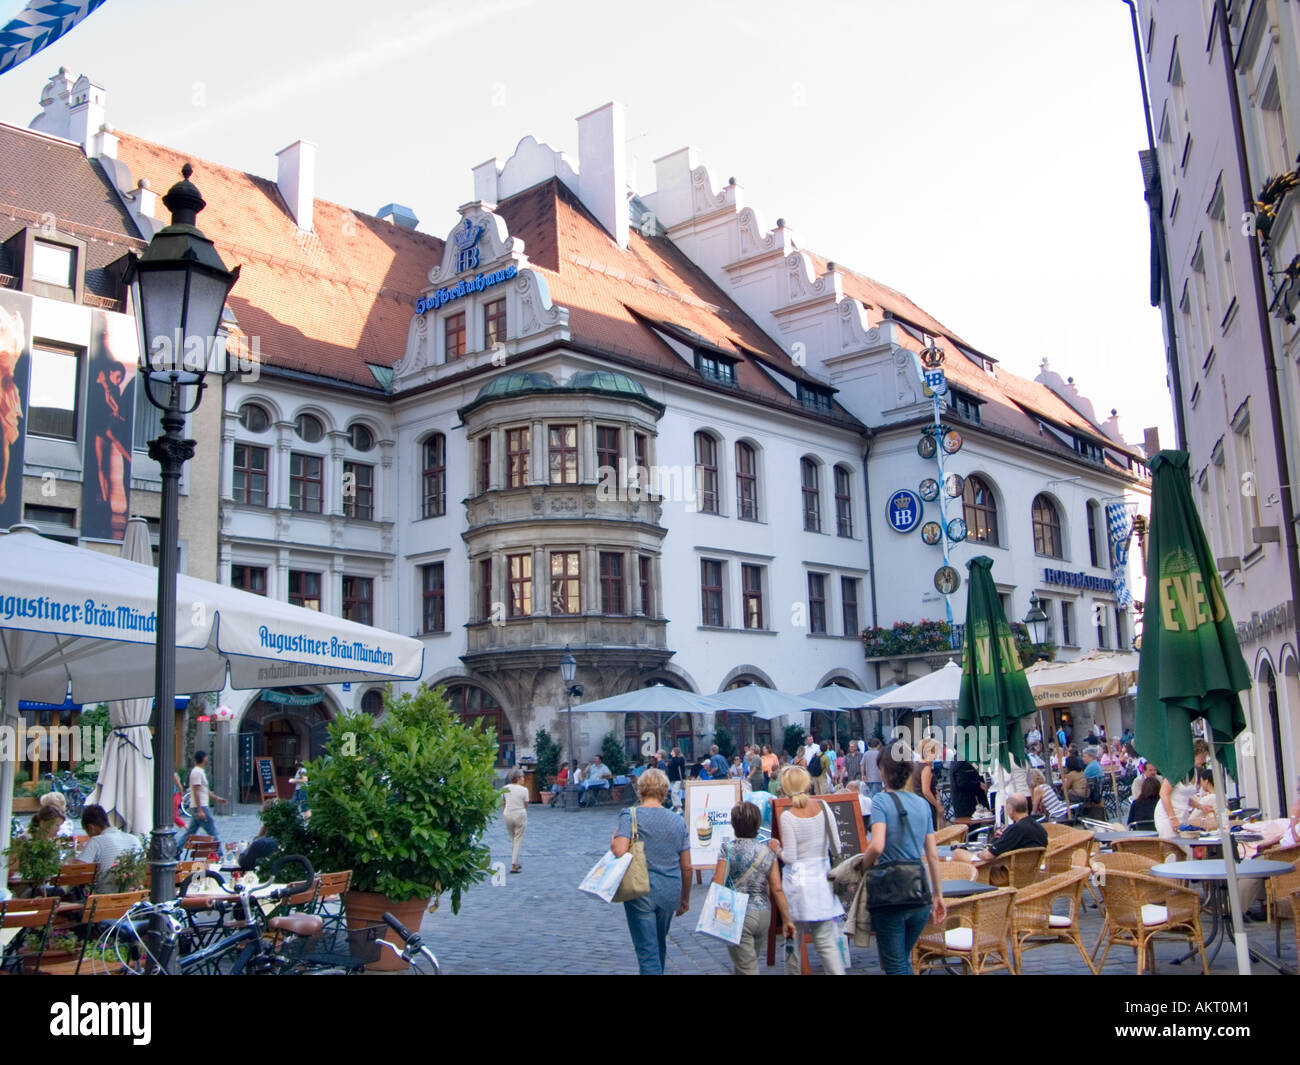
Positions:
{"x": 1279, "y": 832}
{"x": 1045, "y": 800}
{"x": 561, "y": 782}
{"x": 105, "y": 845}
{"x": 596, "y": 778}
{"x": 57, "y": 800}
{"x": 968, "y": 790}
{"x": 1023, "y": 832}
{"x": 1142, "y": 811}
{"x": 1202, "y": 812}
{"x": 46, "y": 823}
{"x": 1075, "y": 780}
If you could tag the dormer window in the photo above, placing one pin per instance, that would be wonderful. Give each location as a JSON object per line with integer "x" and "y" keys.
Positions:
{"x": 49, "y": 263}
{"x": 818, "y": 399}
{"x": 1088, "y": 449}
{"x": 964, "y": 405}
{"x": 716, "y": 368}
{"x": 54, "y": 264}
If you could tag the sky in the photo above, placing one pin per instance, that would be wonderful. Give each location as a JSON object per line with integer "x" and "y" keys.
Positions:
{"x": 980, "y": 157}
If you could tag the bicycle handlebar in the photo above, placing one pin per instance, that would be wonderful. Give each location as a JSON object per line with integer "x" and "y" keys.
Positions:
{"x": 411, "y": 939}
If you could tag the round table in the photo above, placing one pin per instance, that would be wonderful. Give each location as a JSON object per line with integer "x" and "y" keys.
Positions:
{"x": 1111, "y": 837}
{"x": 956, "y": 889}
{"x": 1215, "y": 871}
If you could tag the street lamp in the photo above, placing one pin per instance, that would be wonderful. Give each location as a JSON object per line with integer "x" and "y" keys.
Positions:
{"x": 568, "y": 671}
{"x": 1036, "y": 620}
{"x": 178, "y": 291}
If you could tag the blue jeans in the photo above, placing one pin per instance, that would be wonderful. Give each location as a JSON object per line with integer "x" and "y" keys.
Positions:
{"x": 196, "y": 822}
{"x": 875, "y": 787}
{"x": 897, "y": 931}
{"x": 649, "y": 927}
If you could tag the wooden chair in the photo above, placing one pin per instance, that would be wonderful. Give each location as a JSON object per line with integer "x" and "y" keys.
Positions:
{"x": 1014, "y": 869}
{"x": 1033, "y": 924}
{"x": 952, "y": 835}
{"x": 1162, "y": 850}
{"x": 330, "y": 905}
{"x": 974, "y": 931}
{"x": 1071, "y": 849}
{"x": 34, "y": 918}
{"x": 201, "y": 846}
{"x": 75, "y": 875}
{"x": 1139, "y": 908}
{"x": 1279, "y": 889}
{"x": 98, "y": 908}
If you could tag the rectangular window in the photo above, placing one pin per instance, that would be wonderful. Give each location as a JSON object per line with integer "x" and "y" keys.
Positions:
{"x": 518, "y": 450}
{"x": 562, "y": 453}
{"x": 485, "y": 589}
{"x": 641, "y": 457}
{"x": 817, "y": 602}
{"x": 52, "y": 405}
{"x": 711, "y": 592}
{"x": 1120, "y": 641}
{"x": 723, "y": 371}
{"x": 54, "y": 264}
{"x": 434, "y": 476}
{"x": 812, "y": 507}
{"x": 566, "y": 582}
{"x": 433, "y": 597}
{"x": 1222, "y": 248}
{"x": 643, "y": 575}
{"x": 849, "y": 601}
{"x": 1249, "y": 503}
{"x": 608, "y": 448}
{"x": 746, "y": 483}
{"x": 520, "y": 568}
{"x": 751, "y": 579}
{"x": 494, "y": 322}
{"x": 814, "y": 398}
{"x": 359, "y": 491}
{"x": 305, "y": 482}
{"x": 843, "y": 502}
{"x": 1067, "y": 623}
{"x": 359, "y": 600}
{"x": 249, "y": 579}
{"x": 706, "y": 473}
{"x": 484, "y": 463}
{"x": 304, "y": 589}
{"x": 453, "y": 331}
{"x": 1092, "y": 534}
{"x": 1099, "y": 613}
{"x": 612, "y": 599}
{"x": 250, "y": 474}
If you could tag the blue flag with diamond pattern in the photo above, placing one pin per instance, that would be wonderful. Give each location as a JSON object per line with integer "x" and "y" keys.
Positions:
{"x": 38, "y": 25}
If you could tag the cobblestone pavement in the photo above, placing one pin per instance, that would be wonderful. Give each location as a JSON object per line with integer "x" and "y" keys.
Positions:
{"x": 538, "y": 922}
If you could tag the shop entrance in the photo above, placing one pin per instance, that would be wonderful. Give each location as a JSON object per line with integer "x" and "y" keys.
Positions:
{"x": 287, "y": 725}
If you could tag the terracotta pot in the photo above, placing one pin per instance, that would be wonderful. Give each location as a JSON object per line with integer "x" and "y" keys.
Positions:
{"x": 368, "y": 907}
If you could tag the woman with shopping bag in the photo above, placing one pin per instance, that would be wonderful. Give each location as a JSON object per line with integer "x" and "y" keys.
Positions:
{"x": 807, "y": 838}
{"x": 667, "y": 850}
{"x": 747, "y": 870}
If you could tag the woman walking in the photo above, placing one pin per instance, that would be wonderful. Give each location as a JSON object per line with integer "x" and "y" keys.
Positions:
{"x": 901, "y": 832}
{"x": 668, "y": 859}
{"x": 806, "y": 838}
{"x": 749, "y": 866}
{"x": 514, "y": 800}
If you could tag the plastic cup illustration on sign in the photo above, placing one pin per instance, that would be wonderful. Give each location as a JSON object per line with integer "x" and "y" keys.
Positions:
{"x": 951, "y": 442}
{"x": 929, "y": 489}
{"x": 926, "y": 447}
{"x": 904, "y": 510}
{"x": 954, "y": 484}
{"x": 946, "y": 580}
{"x": 931, "y": 532}
{"x": 957, "y": 530}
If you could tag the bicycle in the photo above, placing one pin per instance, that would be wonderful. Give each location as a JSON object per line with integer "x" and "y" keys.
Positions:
{"x": 70, "y": 788}
{"x": 413, "y": 945}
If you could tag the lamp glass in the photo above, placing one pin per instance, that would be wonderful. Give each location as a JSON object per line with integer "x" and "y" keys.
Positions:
{"x": 1036, "y": 620}
{"x": 179, "y": 305}
{"x": 568, "y": 668}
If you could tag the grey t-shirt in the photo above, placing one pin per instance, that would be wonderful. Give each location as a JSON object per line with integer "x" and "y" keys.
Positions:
{"x": 871, "y": 766}
{"x": 665, "y": 837}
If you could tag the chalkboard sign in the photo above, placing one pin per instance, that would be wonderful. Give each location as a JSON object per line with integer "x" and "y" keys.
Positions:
{"x": 847, "y": 815}
{"x": 266, "y": 779}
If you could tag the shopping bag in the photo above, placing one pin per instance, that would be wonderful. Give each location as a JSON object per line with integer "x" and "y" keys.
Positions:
{"x": 605, "y": 876}
{"x": 723, "y": 916}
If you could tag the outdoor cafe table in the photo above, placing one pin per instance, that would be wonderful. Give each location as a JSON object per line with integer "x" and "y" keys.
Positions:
{"x": 1215, "y": 872}
{"x": 956, "y": 889}
{"x": 1111, "y": 837}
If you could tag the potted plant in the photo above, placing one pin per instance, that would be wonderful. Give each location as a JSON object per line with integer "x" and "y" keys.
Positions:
{"x": 403, "y": 803}
{"x": 38, "y": 860}
{"x": 129, "y": 871}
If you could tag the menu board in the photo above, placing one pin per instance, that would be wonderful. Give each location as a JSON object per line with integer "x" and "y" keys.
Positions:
{"x": 266, "y": 779}
{"x": 846, "y": 813}
{"x": 708, "y": 818}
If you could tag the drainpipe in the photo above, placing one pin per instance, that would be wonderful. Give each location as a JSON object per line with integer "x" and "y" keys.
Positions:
{"x": 1155, "y": 207}
{"x": 871, "y": 549}
{"x": 1266, "y": 336}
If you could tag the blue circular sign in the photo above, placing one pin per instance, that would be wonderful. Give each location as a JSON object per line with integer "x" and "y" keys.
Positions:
{"x": 904, "y": 510}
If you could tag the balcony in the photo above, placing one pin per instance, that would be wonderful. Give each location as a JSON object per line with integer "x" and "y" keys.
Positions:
{"x": 615, "y": 640}
{"x": 585, "y": 502}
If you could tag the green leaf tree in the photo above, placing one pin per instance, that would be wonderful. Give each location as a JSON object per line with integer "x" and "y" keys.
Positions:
{"x": 548, "y": 758}
{"x": 794, "y": 735}
{"x": 613, "y": 754}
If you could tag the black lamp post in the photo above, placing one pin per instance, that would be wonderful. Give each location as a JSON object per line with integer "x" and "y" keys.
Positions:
{"x": 568, "y": 671}
{"x": 178, "y": 290}
{"x": 1036, "y": 620}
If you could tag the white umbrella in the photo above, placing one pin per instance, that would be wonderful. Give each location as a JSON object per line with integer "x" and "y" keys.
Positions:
{"x": 125, "y": 785}
{"x": 938, "y": 689}
{"x": 75, "y": 618}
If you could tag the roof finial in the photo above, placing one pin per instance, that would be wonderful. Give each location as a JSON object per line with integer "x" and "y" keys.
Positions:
{"x": 187, "y": 171}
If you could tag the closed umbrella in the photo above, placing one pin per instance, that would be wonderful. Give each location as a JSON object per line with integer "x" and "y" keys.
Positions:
{"x": 125, "y": 785}
{"x": 1191, "y": 663}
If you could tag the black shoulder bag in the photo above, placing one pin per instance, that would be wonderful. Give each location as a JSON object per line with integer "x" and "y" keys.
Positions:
{"x": 898, "y": 884}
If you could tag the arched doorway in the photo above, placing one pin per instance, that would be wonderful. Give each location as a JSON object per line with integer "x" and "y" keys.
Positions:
{"x": 476, "y": 706}
{"x": 287, "y": 725}
{"x": 745, "y": 728}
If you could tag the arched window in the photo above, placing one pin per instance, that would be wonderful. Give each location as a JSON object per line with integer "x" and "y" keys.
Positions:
{"x": 706, "y": 473}
{"x": 373, "y": 702}
{"x": 746, "y": 482}
{"x": 474, "y": 706}
{"x": 360, "y": 437}
{"x": 309, "y": 428}
{"x": 434, "y": 476}
{"x": 980, "y": 512}
{"x": 254, "y": 418}
{"x": 1047, "y": 528}
{"x": 812, "y": 495}
{"x": 745, "y": 729}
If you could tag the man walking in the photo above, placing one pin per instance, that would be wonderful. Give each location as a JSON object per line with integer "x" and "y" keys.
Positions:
{"x": 200, "y": 801}
{"x": 676, "y": 770}
{"x": 853, "y": 761}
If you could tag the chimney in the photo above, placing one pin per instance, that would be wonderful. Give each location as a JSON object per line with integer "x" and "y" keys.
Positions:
{"x": 485, "y": 181}
{"x": 602, "y": 168}
{"x": 672, "y": 202}
{"x": 296, "y": 177}
{"x": 398, "y": 215}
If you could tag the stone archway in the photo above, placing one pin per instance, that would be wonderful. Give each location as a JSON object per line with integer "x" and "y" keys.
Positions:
{"x": 287, "y": 725}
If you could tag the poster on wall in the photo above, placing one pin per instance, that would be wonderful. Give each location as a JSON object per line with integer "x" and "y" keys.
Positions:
{"x": 15, "y": 368}
{"x": 110, "y": 423}
{"x": 708, "y": 818}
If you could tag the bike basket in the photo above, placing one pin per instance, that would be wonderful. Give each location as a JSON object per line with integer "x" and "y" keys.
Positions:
{"x": 363, "y": 942}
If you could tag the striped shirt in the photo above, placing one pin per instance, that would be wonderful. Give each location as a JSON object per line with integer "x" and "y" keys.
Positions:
{"x": 104, "y": 850}
{"x": 1052, "y": 804}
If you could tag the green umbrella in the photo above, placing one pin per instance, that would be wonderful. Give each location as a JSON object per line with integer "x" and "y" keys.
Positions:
{"x": 1191, "y": 664}
{"x": 994, "y": 691}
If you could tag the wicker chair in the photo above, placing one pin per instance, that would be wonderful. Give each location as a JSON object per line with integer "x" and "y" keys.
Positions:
{"x": 1279, "y": 889}
{"x": 1034, "y": 925}
{"x": 1071, "y": 850}
{"x": 958, "y": 870}
{"x": 1055, "y": 830}
{"x": 1124, "y": 863}
{"x": 1162, "y": 850}
{"x": 974, "y": 931}
{"x": 1134, "y": 917}
{"x": 1015, "y": 869}
{"x": 953, "y": 835}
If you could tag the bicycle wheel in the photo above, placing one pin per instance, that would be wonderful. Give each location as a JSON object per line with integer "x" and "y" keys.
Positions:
{"x": 76, "y": 802}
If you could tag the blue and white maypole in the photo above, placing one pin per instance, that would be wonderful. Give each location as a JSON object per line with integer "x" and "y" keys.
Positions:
{"x": 38, "y": 25}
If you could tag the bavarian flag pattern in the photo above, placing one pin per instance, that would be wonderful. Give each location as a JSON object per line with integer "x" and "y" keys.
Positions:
{"x": 38, "y": 25}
